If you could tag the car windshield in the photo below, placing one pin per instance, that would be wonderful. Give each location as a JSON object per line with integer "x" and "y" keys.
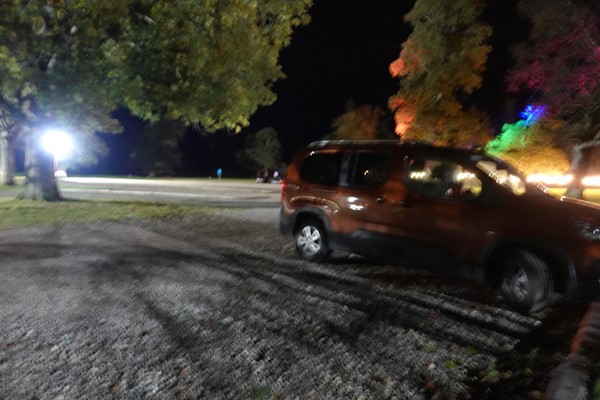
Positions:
{"x": 508, "y": 177}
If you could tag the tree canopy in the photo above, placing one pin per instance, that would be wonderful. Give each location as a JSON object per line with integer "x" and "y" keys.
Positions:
{"x": 530, "y": 147}
{"x": 205, "y": 62}
{"x": 559, "y": 67}
{"x": 439, "y": 67}
{"x": 264, "y": 149}
{"x": 357, "y": 122}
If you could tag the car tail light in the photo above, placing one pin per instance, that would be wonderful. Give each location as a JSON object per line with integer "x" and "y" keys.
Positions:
{"x": 283, "y": 189}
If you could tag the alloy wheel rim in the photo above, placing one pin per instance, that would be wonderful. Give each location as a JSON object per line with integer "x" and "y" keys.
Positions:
{"x": 309, "y": 241}
{"x": 517, "y": 284}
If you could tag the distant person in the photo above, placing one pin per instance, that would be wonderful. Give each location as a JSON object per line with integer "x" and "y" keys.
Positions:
{"x": 219, "y": 173}
{"x": 275, "y": 176}
{"x": 259, "y": 178}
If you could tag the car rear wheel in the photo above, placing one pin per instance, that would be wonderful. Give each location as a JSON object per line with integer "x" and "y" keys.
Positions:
{"x": 311, "y": 241}
{"x": 527, "y": 284}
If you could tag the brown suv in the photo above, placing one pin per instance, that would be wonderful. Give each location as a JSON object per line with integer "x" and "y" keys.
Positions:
{"x": 447, "y": 209}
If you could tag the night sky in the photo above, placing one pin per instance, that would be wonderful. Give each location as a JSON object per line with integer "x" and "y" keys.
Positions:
{"x": 342, "y": 54}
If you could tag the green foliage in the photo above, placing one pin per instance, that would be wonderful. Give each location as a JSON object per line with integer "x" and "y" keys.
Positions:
{"x": 491, "y": 375}
{"x": 530, "y": 149}
{"x": 206, "y": 62}
{"x": 357, "y": 123}
{"x": 70, "y": 63}
{"x": 440, "y": 65}
{"x": 47, "y": 77}
{"x": 451, "y": 364}
{"x": 429, "y": 348}
{"x": 471, "y": 351}
{"x": 23, "y": 213}
{"x": 262, "y": 393}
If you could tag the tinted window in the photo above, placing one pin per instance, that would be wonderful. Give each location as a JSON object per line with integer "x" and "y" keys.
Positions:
{"x": 368, "y": 169}
{"x": 322, "y": 169}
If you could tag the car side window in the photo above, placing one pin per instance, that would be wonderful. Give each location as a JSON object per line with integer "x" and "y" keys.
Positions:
{"x": 441, "y": 178}
{"x": 322, "y": 168}
{"x": 368, "y": 169}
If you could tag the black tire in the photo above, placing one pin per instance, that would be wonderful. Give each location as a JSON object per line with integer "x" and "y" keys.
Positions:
{"x": 526, "y": 284}
{"x": 311, "y": 241}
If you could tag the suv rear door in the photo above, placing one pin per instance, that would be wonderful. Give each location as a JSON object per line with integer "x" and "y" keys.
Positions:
{"x": 369, "y": 183}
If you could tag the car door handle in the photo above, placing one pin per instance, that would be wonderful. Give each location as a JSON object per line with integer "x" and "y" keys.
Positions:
{"x": 400, "y": 203}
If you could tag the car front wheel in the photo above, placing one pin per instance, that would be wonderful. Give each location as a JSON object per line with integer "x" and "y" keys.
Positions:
{"x": 527, "y": 284}
{"x": 311, "y": 241}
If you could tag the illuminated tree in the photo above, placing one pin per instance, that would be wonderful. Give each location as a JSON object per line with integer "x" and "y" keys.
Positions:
{"x": 358, "y": 122}
{"x": 439, "y": 67}
{"x": 527, "y": 145}
{"x": 560, "y": 66}
{"x": 69, "y": 63}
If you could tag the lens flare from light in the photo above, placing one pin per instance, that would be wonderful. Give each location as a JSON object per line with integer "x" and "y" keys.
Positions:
{"x": 57, "y": 142}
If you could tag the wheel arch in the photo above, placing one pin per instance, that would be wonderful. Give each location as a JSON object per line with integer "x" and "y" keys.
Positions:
{"x": 561, "y": 267}
{"x": 305, "y": 213}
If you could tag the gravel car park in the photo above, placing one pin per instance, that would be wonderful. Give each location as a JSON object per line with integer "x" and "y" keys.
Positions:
{"x": 221, "y": 307}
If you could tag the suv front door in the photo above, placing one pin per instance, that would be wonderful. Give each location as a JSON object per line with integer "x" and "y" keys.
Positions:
{"x": 441, "y": 218}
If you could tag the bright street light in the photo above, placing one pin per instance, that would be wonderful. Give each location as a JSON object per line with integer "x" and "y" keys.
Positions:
{"x": 59, "y": 144}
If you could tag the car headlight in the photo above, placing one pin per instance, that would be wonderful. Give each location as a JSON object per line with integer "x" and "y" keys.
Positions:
{"x": 586, "y": 230}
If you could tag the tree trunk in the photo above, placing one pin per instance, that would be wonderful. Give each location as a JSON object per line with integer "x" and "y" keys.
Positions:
{"x": 579, "y": 166}
{"x": 7, "y": 158}
{"x": 40, "y": 182}
{"x": 578, "y": 170}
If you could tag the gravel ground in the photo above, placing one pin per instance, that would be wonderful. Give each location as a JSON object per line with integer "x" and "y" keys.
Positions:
{"x": 220, "y": 307}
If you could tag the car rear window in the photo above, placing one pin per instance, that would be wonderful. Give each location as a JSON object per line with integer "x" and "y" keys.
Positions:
{"x": 368, "y": 169}
{"x": 322, "y": 168}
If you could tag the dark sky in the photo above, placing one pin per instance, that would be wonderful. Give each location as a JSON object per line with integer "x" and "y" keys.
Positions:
{"x": 342, "y": 54}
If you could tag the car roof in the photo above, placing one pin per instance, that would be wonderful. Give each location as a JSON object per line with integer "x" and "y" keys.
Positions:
{"x": 409, "y": 145}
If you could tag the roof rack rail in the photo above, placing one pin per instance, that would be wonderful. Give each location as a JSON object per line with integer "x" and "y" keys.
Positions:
{"x": 322, "y": 143}
{"x": 417, "y": 142}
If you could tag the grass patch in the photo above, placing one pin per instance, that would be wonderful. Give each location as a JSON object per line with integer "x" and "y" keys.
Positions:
{"x": 24, "y": 213}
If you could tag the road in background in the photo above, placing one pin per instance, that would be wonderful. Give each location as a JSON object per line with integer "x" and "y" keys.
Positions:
{"x": 183, "y": 191}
